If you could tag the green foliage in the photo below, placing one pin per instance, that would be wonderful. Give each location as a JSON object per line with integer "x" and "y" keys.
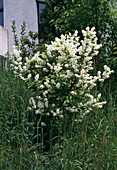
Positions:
{"x": 91, "y": 144}
{"x": 28, "y": 43}
{"x": 114, "y": 60}
{"x": 61, "y": 17}
{"x": 77, "y": 15}
{"x": 61, "y": 77}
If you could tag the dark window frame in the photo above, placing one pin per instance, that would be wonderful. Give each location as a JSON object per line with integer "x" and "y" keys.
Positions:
{"x": 2, "y": 12}
{"x": 39, "y": 2}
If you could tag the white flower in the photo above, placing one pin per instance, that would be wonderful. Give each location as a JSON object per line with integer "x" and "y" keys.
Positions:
{"x": 16, "y": 63}
{"x": 57, "y": 68}
{"x": 46, "y": 84}
{"x": 11, "y": 65}
{"x": 99, "y": 74}
{"x": 45, "y": 69}
{"x": 46, "y": 104}
{"x": 16, "y": 68}
{"x": 40, "y": 105}
{"x": 90, "y": 96}
{"x": 29, "y": 76}
{"x": 87, "y": 28}
{"x": 66, "y": 65}
{"x": 53, "y": 105}
{"x": 99, "y": 95}
{"x": 84, "y": 33}
{"x": 48, "y": 114}
{"x": 54, "y": 114}
{"x": 57, "y": 111}
{"x": 85, "y": 86}
{"x": 38, "y": 111}
{"x": 46, "y": 99}
{"x": 24, "y": 68}
{"x": 29, "y": 108}
{"x": 32, "y": 102}
{"x": 37, "y": 77}
{"x": 92, "y": 29}
{"x": 58, "y": 85}
{"x": 51, "y": 67}
{"x": 41, "y": 86}
{"x": 53, "y": 82}
{"x": 73, "y": 93}
{"x": 37, "y": 66}
{"x": 45, "y": 92}
{"x": 19, "y": 59}
{"x": 38, "y": 97}
{"x": 69, "y": 74}
{"x": 43, "y": 124}
{"x": 94, "y": 100}
{"x": 61, "y": 116}
{"x": 100, "y": 104}
{"x": 76, "y": 33}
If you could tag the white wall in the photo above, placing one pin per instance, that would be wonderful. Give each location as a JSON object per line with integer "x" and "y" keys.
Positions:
{"x": 20, "y": 10}
{"x": 3, "y": 41}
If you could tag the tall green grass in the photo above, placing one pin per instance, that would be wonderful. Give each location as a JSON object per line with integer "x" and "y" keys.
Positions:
{"x": 88, "y": 145}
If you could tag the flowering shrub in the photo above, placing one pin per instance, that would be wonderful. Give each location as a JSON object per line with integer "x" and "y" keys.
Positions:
{"x": 62, "y": 76}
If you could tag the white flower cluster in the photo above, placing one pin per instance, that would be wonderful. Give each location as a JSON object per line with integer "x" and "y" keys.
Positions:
{"x": 61, "y": 77}
{"x": 16, "y": 61}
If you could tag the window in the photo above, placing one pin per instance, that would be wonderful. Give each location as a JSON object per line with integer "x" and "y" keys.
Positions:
{"x": 40, "y": 6}
{"x": 1, "y": 13}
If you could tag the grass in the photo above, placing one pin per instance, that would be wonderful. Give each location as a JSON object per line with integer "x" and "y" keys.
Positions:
{"x": 89, "y": 145}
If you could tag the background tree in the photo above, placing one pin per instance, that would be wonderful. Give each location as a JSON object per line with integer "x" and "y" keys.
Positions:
{"x": 61, "y": 17}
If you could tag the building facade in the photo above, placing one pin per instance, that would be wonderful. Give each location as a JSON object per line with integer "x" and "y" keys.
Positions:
{"x": 23, "y": 10}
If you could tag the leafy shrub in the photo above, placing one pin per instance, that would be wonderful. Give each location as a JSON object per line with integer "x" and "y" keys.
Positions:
{"x": 61, "y": 77}
{"x": 72, "y": 145}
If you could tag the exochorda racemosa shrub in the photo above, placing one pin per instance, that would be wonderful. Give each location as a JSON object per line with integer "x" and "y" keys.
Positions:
{"x": 62, "y": 76}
